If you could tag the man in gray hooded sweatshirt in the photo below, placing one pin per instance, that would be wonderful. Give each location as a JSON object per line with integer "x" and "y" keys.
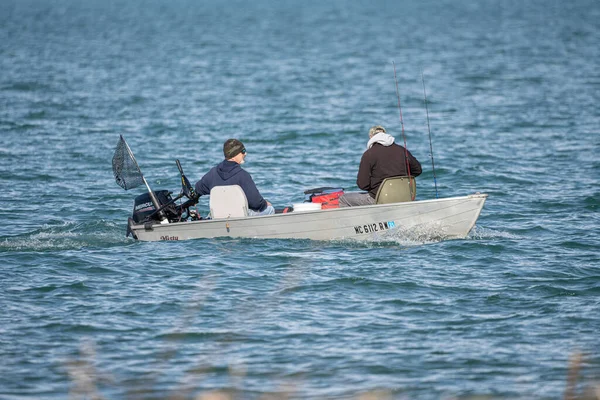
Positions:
{"x": 383, "y": 159}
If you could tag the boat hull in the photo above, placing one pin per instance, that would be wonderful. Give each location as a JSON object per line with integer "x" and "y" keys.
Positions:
{"x": 449, "y": 218}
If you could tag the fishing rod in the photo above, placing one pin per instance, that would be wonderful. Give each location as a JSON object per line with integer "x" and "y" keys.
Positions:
{"x": 403, "y": 135}
{"x": 429, "y": 130}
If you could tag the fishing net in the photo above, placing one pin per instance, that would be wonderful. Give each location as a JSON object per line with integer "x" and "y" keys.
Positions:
{"x": 125, "y": 168}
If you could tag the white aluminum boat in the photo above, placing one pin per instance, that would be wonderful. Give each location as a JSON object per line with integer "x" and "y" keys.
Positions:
{"x": 449, "y": 218}
{"x": 156, "y": 215}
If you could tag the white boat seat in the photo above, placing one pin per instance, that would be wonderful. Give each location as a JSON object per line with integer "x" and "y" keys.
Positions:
{"x": 228, "y": 202}
{"x": 396, "y": 189}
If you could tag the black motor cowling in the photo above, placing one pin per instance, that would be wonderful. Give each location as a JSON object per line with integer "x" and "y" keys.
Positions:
{"x": 143, "y": 207}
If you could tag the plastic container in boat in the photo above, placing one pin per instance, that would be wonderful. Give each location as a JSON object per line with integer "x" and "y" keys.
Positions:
{"x": 302, "y": 207}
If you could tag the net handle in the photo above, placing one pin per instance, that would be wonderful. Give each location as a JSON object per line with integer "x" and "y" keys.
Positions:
{"x": 153, "y": 198}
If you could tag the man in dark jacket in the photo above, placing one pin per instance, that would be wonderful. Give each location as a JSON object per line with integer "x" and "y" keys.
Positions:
{"x": 383, "y": 159}
{"x": 229, "y": 172}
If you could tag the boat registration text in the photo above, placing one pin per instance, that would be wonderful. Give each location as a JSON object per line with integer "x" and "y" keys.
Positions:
{"x": 375, "y": 227}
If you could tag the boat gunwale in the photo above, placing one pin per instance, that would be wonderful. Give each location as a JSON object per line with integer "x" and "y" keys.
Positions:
{"x": 265, "y": 218}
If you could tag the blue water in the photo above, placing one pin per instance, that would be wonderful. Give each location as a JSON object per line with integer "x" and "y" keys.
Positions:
{"x": 513, "y": 90}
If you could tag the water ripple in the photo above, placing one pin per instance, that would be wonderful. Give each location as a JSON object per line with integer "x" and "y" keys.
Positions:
{"x": 512, "y": 99}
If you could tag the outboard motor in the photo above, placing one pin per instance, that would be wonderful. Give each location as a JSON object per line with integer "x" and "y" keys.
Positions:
{"x": 143, "y": 207}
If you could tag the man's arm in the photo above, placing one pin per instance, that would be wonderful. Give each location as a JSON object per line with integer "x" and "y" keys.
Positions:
{"x": 255, "y": 200}
{"x": 201, "y": 186}
{"x": 363, "y": 180}
{"x": 415, "y": 165}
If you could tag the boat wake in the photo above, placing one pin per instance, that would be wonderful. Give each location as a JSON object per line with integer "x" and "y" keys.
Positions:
{"x": 480, "y": 233}
{"x": 68, "y": 236}
{"x": 415, "y": 236}
{"x": 404, "y": 237}
{"x": 425, "y": 234}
